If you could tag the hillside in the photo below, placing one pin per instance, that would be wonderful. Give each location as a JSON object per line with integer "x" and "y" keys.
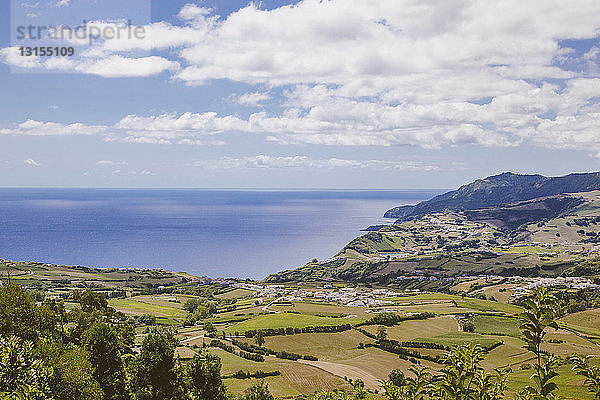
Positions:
{"x": 499, "y": 190}
{"x": 553, "y": 235}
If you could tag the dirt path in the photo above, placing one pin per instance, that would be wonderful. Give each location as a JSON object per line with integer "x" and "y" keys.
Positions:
{"x": 192, "y": 338}
{"x": 460, "y": 328}
{"x": 347, "y": 371}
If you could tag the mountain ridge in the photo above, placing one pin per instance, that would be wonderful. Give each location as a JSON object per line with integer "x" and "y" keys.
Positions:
{"x": 497, "y": 190}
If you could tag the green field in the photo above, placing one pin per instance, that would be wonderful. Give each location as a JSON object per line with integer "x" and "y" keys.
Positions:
{"x": 322, "y": 309}
{"x": 584, "y": 319}
{"x": 287, "y": 320}
{"x": 487, "y": 305}
{"x": 495, "y": 325}
{"x": 140, "y": 305}
{"x": 569, "y": 384}
{"x": 235, "y": 294}
{"x": 459, "y": 338}
{"x": 325, "y": 346}
{"x": 410, "y": 330}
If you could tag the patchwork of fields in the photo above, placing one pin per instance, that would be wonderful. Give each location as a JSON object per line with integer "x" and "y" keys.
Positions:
{"x": 340, "y": 357}
{"x": 316, "y": 344}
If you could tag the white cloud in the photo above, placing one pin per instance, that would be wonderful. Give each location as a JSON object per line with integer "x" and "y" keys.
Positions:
{"x": 12, "y": 57}
{"x": 143, "y": 172}
{"x": 111, "y": 163}
{"x": 186, "y": 129}
{"x": 304, "y": 162}
{"x": 366, "y": 72}
{"x": 253, "y": 99}
{"x": 37, "y": 128}
{"x": 341, "y": 41}
{"x": 63, "y": 3}
{"x": 118, "y": 66}
{"x": 592, "y": 53}
{"x": 32, "y": 162}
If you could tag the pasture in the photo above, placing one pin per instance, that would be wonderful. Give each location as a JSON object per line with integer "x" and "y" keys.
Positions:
{"x": 287, "y": 320}
{"x": 496, "y": 325}
{"x": 410, "y": 330}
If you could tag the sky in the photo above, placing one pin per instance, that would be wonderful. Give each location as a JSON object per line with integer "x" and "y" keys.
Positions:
{"x": 376, "y": 94}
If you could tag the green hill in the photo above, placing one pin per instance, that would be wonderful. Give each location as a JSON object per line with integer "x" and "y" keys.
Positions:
{"x": 499, "y": 190}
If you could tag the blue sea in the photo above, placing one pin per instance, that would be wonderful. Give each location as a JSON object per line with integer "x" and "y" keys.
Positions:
{"x": 218, "y": 233}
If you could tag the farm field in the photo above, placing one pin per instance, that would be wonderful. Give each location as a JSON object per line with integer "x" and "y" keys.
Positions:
{"x": 410, "y": 330}
{"x": 296, "y": 378}
{"x": 321, "y": 309}
{"x": 147, "y": 305}
{"x": 496, "y": 325}
{"x": 325, "y": 346}
{"x": 585, "y": 319}
{"x": 285, "y": 320}
{"x": 354, "y": 353}
{"x": 235, "y": 294}
{"x": 349, "y": 354}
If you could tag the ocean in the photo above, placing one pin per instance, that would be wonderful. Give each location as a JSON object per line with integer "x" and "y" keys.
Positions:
{"x": 217, "y": 233}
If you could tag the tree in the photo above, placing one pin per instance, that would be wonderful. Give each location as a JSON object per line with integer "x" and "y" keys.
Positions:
{"x": 397, "y": 377}
{"x": 464, "y": 379}
{"x": 204, "y": 371}
{"x": 90, "y": 301}
{"x": 209, "y": 328}
{"x": 22, "y": 375}
{"x": 381, "y": 333}
{"x": 155, "y": 374}
{"x": 259, "y": 338}
{"x": 104, "y": 346}
{"x": 385, "y": 318}
{"x": 259, "y": 391}
{"x": 191, "y": 305}
{"x": 72, "y": 372}
{"x": 147, "y": 319}
{"x": 468, "y": 326}
{"x": 18, "y": 314}
{"x": 416, "y": 388}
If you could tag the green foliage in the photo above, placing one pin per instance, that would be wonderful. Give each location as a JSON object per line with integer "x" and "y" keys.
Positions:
{"x": 397, "y": 377}
{"x": 209, "y": 328}
{"x": 147, "y": 319}
{"x": 259, "y": 338}
{"x": 358, "y": 393}
{"x": 104, "y": 346}
{"x": 381, "y": 333}
{"x": 468, "y": 326}
{"x": 591, "y": 374}
{"x": 89, "y": 300}
{"x": 155, "y": 374}
{"x": 391, "y": 318}
{"x": 199, "y": 309}
{"x": 19, "y": 315}
{"x": 204, "y": 372}
{"x": 72, "y": 372}
{"x": 22, "y": 376}
{"x": 464, "y": 379}
{"x": 537, "y": 317}
{"x": 417, "y": 387}
{"x": 259, "y": 391}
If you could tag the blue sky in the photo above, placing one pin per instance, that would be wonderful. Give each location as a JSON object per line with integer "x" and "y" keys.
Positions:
{"x": 309, "y": 94}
